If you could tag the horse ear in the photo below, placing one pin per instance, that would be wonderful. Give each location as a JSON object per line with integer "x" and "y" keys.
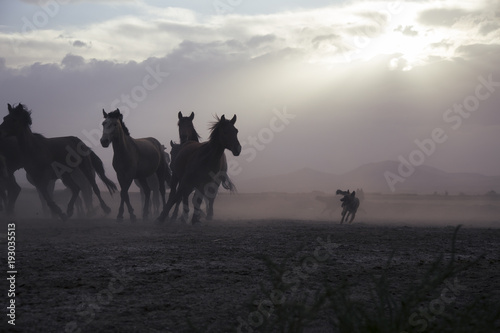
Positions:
{"x": 104, "y": 113}
{"x": 223, "y": 118}
{"x": 179, "y": 115}
{"x": 171, "y": 144}
{"x": 9, "y": 107}
{"x": 233, "y": 120}
{"x": 191, "y": 117}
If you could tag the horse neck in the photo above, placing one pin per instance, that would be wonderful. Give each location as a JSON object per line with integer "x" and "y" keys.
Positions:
{"x": 26, "y": 140}
{"x": 192, "y": 137}
{"x": 215, "y": 150}
{"x": 121, "y": 143}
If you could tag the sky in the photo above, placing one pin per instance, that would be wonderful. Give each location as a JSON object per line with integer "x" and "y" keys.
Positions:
{"x": 327, "y": 85}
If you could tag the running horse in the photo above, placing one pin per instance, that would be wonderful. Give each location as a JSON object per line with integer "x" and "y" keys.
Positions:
{"x": 350, "y": 205}
{"x": 11, "y": 160}
{"x": 187, "y": 133}
{"x": 46, "y": 159}
{"x": 133, "y": 159}
{"x": 197, "y": 167}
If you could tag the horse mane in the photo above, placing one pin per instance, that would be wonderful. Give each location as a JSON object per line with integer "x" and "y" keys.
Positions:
{"x": 117, "y": 115}
{"x": 215, "y": 127}
{"x": 23, "y": 113}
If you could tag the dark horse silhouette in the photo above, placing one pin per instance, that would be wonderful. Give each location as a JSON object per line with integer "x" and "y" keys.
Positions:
{"x": 45, "y": 159}
{"x": 187, "y": 133}
{"x": 133, "y": 159}
{"x": 198, "y": 167}
{"x": 350, "y": 205}
{"x": 10, "y": 161}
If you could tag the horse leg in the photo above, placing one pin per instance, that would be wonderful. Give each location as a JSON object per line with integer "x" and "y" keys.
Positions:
{"x": 210, "y": 194}
{"x": 185, "y": 207}
{"x": 353, "y": 214}
{"x": 75, "y": 190}
{"x": 173, "y": 189}
{"x": 80, "y": 211}
{"x": 42, "y": 187}
{"x": 176, "y": 211}
{"x": 87, "y": 198}
{"x": 161, "y": 178}
{"x": 173, "y": 198}
{"x": 147, "y": 194}
{"x": 89, "y": 172}
{"x": 156, "y": 201}
{"x": 124, "y": 186}
{"x": 197, "y": 199}
{"x": 13, "y": 190}
{"x": 51, "y": 184}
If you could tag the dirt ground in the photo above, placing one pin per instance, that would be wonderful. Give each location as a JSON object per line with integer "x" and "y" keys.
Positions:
{"x": 99, "y": 275}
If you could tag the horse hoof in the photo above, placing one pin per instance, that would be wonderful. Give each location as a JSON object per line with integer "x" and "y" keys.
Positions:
{"x": 133, "y": 218}
{"x": 119, "y": 219}
{"x": 63, "y": 217}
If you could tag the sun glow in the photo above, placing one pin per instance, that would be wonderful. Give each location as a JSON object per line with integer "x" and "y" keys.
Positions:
{"x": 380, "y": 32}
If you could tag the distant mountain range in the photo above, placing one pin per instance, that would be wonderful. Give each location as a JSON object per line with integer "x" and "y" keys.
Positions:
{"x": 384, "y": 177}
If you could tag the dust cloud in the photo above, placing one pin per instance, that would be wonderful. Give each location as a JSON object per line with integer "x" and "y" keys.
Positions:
{"x": 375, "y": 208}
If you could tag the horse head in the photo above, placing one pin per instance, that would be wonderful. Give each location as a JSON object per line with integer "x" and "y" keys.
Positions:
{"x": 19, "y": 117}
{"x": 186, "y": 128}
{"x": 112, "y": 126}
{"x": 226, "y": 134}
{"x": 175, "y": 148}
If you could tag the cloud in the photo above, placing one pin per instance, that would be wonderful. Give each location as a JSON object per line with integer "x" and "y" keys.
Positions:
{"x": 79, "y": 43}
{"x": 407, "y": 30}
{"x": 314, "y": 62}
{"x": 72, "y": 61}
{"x": 479, "y": 50}
{"x": 442, "y": 16}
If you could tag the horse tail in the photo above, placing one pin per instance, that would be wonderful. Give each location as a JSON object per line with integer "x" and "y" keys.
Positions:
{"x": 168, "y": 172}
{"x": 228, "y": 184}
{"x": 99, "y": 168}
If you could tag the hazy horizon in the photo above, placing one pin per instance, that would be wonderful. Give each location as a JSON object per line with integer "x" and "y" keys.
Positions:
{"x": 321, "y": 85}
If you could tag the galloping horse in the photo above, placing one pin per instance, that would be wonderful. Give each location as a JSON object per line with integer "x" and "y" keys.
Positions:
{"x": 45, "y": 159}
{"x": 198, "y": 167}
{"x": 10, "y": 161}
{"x": 350, "y": 206}
{"x": 133, "y": 159}
{"x": 187, "y": 133}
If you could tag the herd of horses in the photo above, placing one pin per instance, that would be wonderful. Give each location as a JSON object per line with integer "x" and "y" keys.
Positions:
{"x": 193, "y": 166}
